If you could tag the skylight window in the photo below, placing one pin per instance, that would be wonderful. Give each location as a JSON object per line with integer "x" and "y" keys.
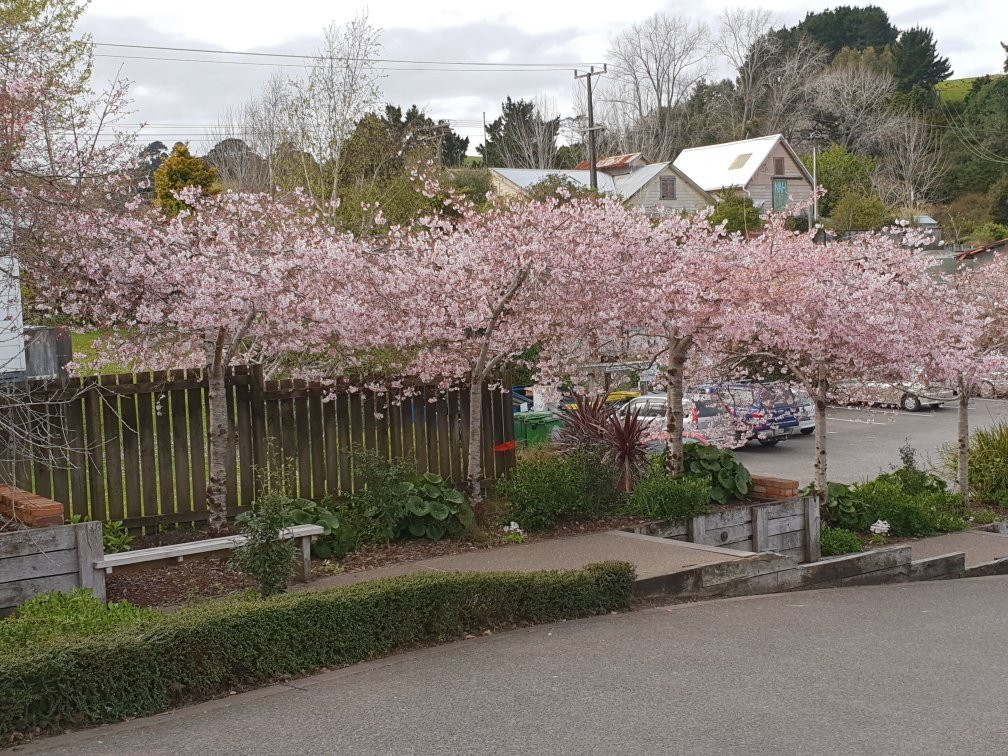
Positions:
{"x": 740, "y": 161}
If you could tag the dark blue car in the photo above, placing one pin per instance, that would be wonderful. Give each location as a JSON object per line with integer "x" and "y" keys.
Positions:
{"x": 762, "y": 413}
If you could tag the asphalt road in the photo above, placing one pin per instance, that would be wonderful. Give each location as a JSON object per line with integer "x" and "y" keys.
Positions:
{"x": 861, "y": 443}
{"x": 903, "y": 669}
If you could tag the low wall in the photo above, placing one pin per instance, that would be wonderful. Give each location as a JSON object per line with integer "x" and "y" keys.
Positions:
{"x": 790, "y": 528}
{"x": 60, "y": 558}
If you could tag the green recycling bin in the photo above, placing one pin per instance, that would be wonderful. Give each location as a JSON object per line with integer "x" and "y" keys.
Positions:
{"x": 532, "y": 428}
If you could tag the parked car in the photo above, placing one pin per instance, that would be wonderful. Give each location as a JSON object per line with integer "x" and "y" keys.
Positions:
{"x": 760, "y": 412}
{"x": 994, "y": 388}
{"x": 701, "y": 414}
{"x": 910, "y": 396}
{"x": 800, "y": 402}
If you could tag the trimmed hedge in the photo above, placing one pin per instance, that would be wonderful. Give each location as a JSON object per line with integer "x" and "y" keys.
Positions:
{"x": 208, "y": 650}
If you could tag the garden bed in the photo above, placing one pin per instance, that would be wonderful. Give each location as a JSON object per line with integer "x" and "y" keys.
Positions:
{"x": 175, "y": 584}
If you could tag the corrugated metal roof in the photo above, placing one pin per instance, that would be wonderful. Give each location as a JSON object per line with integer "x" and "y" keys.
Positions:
{"x": 612, "y": 161}
{"x": 525, "y": 178}
{"x": 725, "y": 166}
{"x": 628, "y": 184}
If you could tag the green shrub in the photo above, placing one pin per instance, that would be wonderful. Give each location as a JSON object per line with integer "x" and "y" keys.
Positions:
{"x": 660, "y": 496}
{"x": 115, "y": 536}
{"x": 836, "y": 541}
{"x": 545, "y": 486}
{"x": 729, "y": 479}
{"x": 909, "y": 514}
{"x": 398, "y": 502}
{"x": 206, "y": 650}
{"x": 264, "y": 555}
{"x": 67, "y": 617}
{"x": 338, "y": 535}
{"x": 988, "y": 464}
{"x": 844, "y": 508}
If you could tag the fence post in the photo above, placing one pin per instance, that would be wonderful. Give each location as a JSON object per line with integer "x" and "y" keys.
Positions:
{"x": 258, "y": 410}
{"x": 812, "y": 547}
{"x": 760, "y": 525}
{"x": 90, "y": 549}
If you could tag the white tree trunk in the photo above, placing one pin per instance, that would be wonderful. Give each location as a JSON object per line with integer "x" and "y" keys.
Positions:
{"x": 219, "y": 438}
{"x": 474, "y": 463}
{"x": 962, "y": 462}
{"x": 819, "y": 395}
{"x": 675, "y": 374}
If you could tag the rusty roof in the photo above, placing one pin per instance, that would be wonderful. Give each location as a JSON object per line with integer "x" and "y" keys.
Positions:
{"x": 612, "y": 161}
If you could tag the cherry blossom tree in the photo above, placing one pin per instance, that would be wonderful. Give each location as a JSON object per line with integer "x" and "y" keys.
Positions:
{"x": 463, "y": 297}
{"x": 239, "y": 278}
{"x": 843, "y": 310}
{"x": 974, "y": 302}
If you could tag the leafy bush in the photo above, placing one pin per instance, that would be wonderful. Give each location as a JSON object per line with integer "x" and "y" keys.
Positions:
{"x": 115, "y": 537}
{"x": 660, "y": 496}
{"x": 988, "y": 464}
{"x": 264, "y": 555}
{"x": 546, "y": 486}
{"x": 204, "y": 651}
{"x": 338, "y": 536}
{"x": 844, "y": 508}
{"x": 909, "y": 514}
{"x": 836, "y": 541}
{"x": 988, "y": 233}
{"x": 66, "y": 618}
{"x": 737, "y": 213}
{"x": 397, "y": 502}
{"x": 433, "y": 508}
{"x": 728, "y": 477}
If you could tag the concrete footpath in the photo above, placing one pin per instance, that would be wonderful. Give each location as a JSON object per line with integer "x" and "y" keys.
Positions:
{"x": 652, "y": 557}
{"x": 980, "y": 547}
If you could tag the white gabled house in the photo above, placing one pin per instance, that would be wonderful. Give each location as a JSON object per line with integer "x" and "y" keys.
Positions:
{"x": 766, "y": 169}
{"x": 654, "y": 187}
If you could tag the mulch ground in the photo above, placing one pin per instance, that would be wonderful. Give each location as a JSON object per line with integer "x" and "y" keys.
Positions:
{"x": 166, "y": 585}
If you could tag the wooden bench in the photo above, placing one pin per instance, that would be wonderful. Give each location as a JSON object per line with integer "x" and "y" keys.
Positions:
{"x": 179, "y": 551}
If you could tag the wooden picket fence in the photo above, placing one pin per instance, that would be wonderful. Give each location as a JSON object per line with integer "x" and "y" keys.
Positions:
{"x": 136, "y": 445}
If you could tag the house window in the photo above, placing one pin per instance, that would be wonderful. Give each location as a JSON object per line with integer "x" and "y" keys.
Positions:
{"x": 778, "y": 166}
{"x": 668, "y": 187}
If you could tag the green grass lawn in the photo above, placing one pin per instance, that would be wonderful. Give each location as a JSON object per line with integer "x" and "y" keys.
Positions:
{"x": 955, "y": 90}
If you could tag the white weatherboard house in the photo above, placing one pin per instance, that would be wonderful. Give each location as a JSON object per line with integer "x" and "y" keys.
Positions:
{"x": 12, "y": 344}
{"x": 655, "y": 187}
{"x": 766, "y": 169}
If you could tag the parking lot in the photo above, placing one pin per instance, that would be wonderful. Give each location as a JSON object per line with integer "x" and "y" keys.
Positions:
{"x": 863, "y": 442}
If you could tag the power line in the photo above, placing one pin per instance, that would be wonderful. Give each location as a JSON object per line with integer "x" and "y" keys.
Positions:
{"x": 297, "y": 65}
{"x": 552, "y": 65}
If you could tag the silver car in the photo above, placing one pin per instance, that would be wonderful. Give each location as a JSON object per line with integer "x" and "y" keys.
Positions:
{"x": 910, "y": 396}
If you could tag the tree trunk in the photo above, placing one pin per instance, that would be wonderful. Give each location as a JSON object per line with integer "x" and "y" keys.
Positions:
{"x": 474, "y": 464}
{"x": 820, "y": 437}
{"x": 962, "y": 463}
{"x": 674, "y": 415}
{"x": 219, "y": 438}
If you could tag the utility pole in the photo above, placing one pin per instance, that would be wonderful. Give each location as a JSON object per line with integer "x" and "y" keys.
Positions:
{"x": 485, "y": 163}
{"x": 592, "y": 168}
{"x": 815, "y": 136}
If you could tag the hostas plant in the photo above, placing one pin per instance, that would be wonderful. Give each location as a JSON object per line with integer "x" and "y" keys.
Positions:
{"x": 625, "y": 445}
{"x": 728, "y": 477}
{"x": 584, "y": 424}
{"x": 433, "y": 508}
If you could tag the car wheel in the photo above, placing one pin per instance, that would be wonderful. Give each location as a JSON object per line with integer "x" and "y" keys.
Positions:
{"x": 986, "y": 390}
{"x": 911, "y": 402}
{"x": 769, "y": 441}
{"x": 807, "y": 431}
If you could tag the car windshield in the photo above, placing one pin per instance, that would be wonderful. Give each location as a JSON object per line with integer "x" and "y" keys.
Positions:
{"x": 651, "y": 408}
{"x": 706, "y": 408}
{"x": 738, "y": 395}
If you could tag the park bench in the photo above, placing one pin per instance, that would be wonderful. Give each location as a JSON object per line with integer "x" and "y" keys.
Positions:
{"x": 179, "y": 551}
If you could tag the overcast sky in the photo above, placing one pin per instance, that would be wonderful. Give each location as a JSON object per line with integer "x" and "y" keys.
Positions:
{"x": 179, "y": 99}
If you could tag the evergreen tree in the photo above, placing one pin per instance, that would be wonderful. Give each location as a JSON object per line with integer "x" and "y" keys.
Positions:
{"x": 916, "y": 62}
{"x": 179, "y": 170}
{"x": 520, "y": 137}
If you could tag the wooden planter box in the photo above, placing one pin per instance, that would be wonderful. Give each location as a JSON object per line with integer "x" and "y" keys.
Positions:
{"x": 28, "y": 508}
